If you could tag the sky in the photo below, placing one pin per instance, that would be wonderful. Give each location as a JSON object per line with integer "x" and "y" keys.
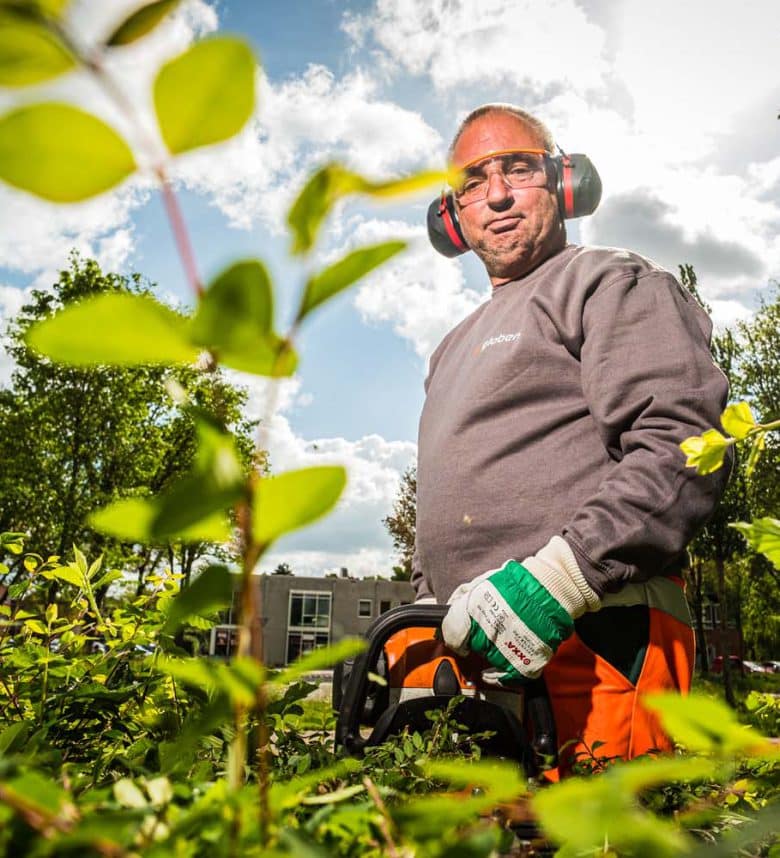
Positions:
{"x": 675, "y": 103}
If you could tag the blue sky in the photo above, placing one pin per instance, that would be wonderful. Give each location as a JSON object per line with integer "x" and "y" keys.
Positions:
{"x": 674, "y": 102}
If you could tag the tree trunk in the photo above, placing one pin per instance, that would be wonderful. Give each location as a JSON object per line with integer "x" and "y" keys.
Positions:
{"x": 728, "y": 685}
{"x": 696, "y": 576}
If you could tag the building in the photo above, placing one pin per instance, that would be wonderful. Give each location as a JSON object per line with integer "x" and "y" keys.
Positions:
{"x": 300, "y": 613}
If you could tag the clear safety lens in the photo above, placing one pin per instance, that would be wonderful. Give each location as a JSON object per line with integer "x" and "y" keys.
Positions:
{"x": 517, "y": 169}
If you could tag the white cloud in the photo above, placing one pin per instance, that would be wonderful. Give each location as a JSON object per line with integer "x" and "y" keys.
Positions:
{"x": 519, "y": 42}
{"x": 693, "y": 67}
{"x": 360, "y": 563}
{"x": 37, "y": 236}
{"x": 726, "y": 312}
{"x": 353, "y": 534}
{"x": 300, "y": 124}
{"x": 420, "y": 293}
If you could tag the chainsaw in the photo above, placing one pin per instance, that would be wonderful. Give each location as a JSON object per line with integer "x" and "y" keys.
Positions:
{"x": 406, "y": 671}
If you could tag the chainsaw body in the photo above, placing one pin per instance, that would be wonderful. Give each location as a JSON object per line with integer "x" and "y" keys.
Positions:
{"x": 405, "y": 648}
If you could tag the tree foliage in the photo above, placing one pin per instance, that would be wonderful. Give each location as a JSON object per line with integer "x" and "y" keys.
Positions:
{"x": 76, "y": 439}
{"x": 402, "y": 523}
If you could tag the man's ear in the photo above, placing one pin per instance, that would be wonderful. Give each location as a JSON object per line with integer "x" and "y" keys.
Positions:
{"x": 444, "y": 229}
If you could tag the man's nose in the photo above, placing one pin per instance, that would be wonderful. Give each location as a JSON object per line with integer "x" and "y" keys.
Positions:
{"x": 498, "y": 191}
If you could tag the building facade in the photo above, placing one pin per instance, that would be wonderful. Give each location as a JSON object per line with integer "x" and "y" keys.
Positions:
{"x": 300, "y": 614}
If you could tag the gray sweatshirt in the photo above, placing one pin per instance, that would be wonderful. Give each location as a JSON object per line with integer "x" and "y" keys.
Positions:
{"x": 558, "y": 407}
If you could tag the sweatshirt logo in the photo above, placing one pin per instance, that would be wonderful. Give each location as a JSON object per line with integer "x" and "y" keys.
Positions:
{"x": 497, "y": 340}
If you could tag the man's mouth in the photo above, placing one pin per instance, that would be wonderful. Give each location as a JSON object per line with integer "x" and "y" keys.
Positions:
{"x": 504, "y": 224}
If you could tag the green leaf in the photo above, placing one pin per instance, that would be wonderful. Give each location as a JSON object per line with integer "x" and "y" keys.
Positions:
{"x": 501, "y": 781}
{"x": 12, "y": 541}
{"x": 38, "y": 794}
{"x": 319, "y": 659}
{"x": 117, "y": 329}
{"x": 345, "y": 272}
{"x": 128, "y": 794}
{"x": 705, "y": 452}
{"x": 333, "y": 182}
{"x": 586, "y": 814}
{"x": 234, "y": 320}
{"x": 192, "y": 671}
{"x": 705, "y": 725}
{"x": 293, "y": 499}
{"x": 214, "y": 484}
{"x": 335, "y": 796}
{"x": 29, "y": 51}
{"x": 46, "y": 8}
{"x": 206, "y": 94}
{"x": 61, "y": 153}
{"x": 738, "y": 420}
{"x": 210, "y": 591}
{"x": 13, "y": 738}
{"x": 192, "y": 509}
{"x": 497, "y": 781}
{"x": 757, "y": 446}
{"x": 141, "y": 22}
{"x": 131, "y": 520}
{"x": 763, "y": 535}
{"x": 70, "y": 574}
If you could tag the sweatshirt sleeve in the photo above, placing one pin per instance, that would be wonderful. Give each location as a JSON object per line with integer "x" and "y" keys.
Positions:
{"x": 650, "y": 382}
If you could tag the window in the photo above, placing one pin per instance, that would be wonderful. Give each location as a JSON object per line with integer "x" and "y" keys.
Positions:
{"x": 308, "y": 623}
{"x": 364, "y": 608}
{"x": 309, "y": 610}
{"x": 224, "y": 640}
{"x": 384, "y": 606}
{"x": 299, "y": 643}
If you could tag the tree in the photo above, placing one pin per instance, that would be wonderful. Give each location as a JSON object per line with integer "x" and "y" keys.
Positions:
{"x": 75, "y": 439}
{"x": 283, "y": 569}
{"x": 718, "y": 543}
{"x": 402, "y": 524}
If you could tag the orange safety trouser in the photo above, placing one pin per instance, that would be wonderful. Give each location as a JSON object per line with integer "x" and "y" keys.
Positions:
{"x": 593, "y": 701}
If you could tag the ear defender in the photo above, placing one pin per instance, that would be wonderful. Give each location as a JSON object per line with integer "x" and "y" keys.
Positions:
{"x": 577, "y": 186}
{"x": 444, "y": 228}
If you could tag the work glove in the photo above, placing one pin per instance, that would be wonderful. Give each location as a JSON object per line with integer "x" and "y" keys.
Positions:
{"x": 518, "y": 615}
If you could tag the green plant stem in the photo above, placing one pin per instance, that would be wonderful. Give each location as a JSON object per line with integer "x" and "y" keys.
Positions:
{"x": 12, "y": 698}
{"x": 151, "y": 148}
{"x": 180, "y": 233}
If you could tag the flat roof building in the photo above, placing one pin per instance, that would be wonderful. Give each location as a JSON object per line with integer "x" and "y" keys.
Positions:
{"x": 301, "y": 613}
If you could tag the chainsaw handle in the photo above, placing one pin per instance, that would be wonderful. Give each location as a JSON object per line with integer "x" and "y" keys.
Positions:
{"x": 538, "y": 710}
{"x": 384, "y": 627}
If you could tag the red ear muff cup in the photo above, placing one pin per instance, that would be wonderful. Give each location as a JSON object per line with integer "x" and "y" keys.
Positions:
{"x": 444, "y": 229}
{"x": 578, "y": 185}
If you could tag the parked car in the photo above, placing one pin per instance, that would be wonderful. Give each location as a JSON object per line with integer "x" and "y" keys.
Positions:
{"x": 734, "y": 660}
{"x": 755, "y": 667}
{"x": 772, "y": 666}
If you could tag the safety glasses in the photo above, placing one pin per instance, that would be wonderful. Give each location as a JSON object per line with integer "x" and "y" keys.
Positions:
{"x": 518, "y": 168}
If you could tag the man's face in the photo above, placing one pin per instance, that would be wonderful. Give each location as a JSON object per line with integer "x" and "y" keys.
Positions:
{"x": 513, "y": 229}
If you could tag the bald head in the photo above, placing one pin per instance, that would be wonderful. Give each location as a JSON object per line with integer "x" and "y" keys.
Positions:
{"x": 534, "y": 125}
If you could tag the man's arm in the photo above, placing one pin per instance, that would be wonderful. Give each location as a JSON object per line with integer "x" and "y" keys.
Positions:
{"x": 650, "y": 382}
{"x": 422, "y": 591}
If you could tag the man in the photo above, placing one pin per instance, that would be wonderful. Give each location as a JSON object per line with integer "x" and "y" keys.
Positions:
{"x": 550, "y": 436}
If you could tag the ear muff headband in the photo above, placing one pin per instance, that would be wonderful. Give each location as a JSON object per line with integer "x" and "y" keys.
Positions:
{"x": 578, "y": 189}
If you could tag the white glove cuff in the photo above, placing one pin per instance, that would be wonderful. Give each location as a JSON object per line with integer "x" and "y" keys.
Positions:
{"x": 426, "y": 600}
{"x": 555, "y": 567}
